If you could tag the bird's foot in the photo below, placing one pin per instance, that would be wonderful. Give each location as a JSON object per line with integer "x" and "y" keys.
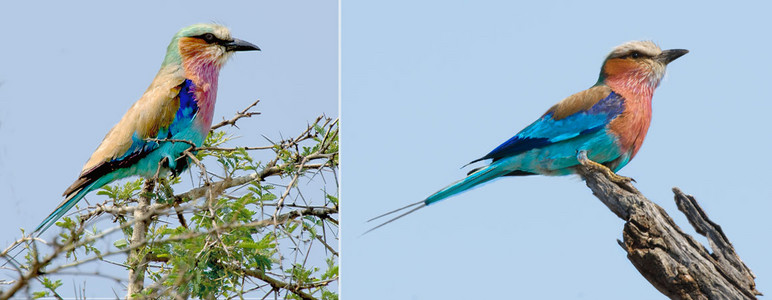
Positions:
{"x": 614, "y": 177}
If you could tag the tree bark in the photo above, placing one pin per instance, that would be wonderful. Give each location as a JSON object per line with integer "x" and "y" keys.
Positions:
{"x": 137, "y": 258}
{"x": 671, "y": 260}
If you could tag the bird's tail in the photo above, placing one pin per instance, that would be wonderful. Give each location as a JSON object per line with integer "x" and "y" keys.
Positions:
{"x": 62, "y": 209}
{"x": 49, "y": 221}
{"x": 474, "y": 179}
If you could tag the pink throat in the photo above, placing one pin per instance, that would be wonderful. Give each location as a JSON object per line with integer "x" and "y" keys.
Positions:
{"x": 637, "y": 91}
{"x": 638, "y": 84}
{"x": 204, "y": 75}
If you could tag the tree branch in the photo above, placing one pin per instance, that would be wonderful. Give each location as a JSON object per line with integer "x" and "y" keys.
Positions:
{"x": 278, "y": 284}
{"x": 290, "y": 162}
{"x": 242, "y": 114}
{"x": 672, "y": 261}
{"x": 137, "y": 260}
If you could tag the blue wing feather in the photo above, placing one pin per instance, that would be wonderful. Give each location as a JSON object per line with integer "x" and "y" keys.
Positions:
{"x": 185, "y": 113}
{"x": 547, "y": 130}
{"x": 140, "y": 148}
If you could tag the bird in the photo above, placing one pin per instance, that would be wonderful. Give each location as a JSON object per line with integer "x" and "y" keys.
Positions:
{"x": 602, "y": 127}
{"x": 174, "y": 114}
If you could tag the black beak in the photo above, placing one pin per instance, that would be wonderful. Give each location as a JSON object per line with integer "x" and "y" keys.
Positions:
{"x": 670, "y": 55}
{"x": 239, "y": 45}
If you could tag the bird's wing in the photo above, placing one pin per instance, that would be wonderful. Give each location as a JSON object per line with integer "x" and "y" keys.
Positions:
{"x": 582, "y": 113}
{"x": 152, "y": 116}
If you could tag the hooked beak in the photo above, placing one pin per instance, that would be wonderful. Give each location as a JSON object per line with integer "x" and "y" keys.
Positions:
{"x": 240, "y": 45}
{"x": 670, "y": 55}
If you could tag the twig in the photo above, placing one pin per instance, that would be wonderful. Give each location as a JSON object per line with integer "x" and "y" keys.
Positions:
{"x": 277, "y": 284}
{"x": 239, "y": 115}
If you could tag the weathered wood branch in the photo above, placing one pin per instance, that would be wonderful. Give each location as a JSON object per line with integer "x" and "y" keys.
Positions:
{"x": 672, "y": 261}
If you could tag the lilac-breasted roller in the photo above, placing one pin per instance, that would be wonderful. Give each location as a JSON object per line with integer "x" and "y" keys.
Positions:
{"x": 178, "y": 106}
{"x": 602, "y": 127}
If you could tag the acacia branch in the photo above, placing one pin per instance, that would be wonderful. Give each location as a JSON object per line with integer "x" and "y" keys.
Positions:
{"x": 217, "y": 187}
{"x": 37, "y": 265}
{"x": 137, "y": 259}
{"x": 672, "y": 261}
{"x": 145, "y": 214}
{"x": 296, "y": 289}
{"x": 322, "y": 213}
{"x": 72, "y": 243}
{"x": 242, "y": 114}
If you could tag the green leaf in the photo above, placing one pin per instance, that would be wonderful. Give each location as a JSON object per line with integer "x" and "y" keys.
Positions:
{"x": 120, "y": 244}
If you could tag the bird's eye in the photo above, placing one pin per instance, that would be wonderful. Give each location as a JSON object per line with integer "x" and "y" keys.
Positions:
{"x": 635, "y": 55}
{"x": 209, "y": 38}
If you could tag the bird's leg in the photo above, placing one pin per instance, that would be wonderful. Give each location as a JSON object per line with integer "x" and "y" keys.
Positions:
{"x": 581, "y": 156}
{"x": 167, "y": 190}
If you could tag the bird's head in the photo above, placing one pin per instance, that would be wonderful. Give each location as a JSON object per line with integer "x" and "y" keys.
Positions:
{"x": 637, "y": 66}
{"x": 204, "y": 44}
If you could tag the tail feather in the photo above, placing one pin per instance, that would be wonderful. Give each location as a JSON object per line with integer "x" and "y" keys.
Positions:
{"x": 73, "y": 197}
{"x": 11, "y": 258}
{"x": 473, "y": 179}
{"x": 62, "y": 209}
{"x": 420, "y": 205}
{"x": 477, "y": 177}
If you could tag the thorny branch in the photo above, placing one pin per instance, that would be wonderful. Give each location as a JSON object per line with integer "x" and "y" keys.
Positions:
{"x": 242, "y": 114}
{"x": 146, "y": 212}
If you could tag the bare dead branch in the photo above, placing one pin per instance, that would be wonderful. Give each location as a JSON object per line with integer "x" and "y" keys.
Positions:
{"x": 671, "y": 260}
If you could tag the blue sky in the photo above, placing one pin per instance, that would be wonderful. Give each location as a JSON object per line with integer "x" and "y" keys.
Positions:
{"x": 68, "y": 72}
{"x": 429, "y": 86}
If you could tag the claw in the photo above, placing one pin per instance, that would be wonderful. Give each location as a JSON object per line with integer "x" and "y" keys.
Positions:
{"x": 586, "y": 162}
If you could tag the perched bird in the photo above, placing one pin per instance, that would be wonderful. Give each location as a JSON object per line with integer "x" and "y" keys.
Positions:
{"x": 601, "y": 127}
{"x": 173, "y": 114}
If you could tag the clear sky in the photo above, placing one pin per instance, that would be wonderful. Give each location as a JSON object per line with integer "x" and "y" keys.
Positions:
{"x": 68, "y": 72}
{"x": 431, "y": 85}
